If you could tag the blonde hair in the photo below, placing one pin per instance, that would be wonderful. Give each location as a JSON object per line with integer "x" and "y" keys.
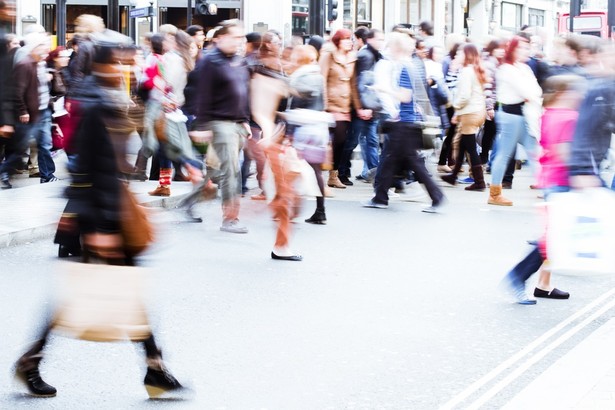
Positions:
{"x": 304, "y": 55}
{"x": 183, "y": 41}
{"x": 88, "y": 24}
{"x": 168, "y": 29}
{"x": 400, "y": 42}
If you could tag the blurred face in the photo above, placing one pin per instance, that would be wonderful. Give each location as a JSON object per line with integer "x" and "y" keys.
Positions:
{"x": 346, "y": 44}
{"x": 61, "y": 60}
{"x": 499, "y": 53}
{"x": 275, "y": 46}
{"x": 522, "y": 53}
{"x": 194, "y": 50}
{"x": 199, "y": 38}
{"x": 437, "y": 54}
{"x": 377, "y": 42}
{"x": 231, "y": 42}
{"x": 14, "y": 43}
{"x": 421, "y": 51}
{"x": 40, "y": 52}
{"x": 169, "y": 43}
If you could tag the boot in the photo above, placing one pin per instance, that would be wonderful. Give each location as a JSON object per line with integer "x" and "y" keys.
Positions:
{"x": 449, "y": 178}
{"x": 164, "y": 183}
{"x": 159, "y": 383}
{"x": 496, "y": 198}
{"x": 479, "y": 179}
{"x": 319, "y": 217}
{"x": 334, "y": 181}
{"x": 27, "y": 374}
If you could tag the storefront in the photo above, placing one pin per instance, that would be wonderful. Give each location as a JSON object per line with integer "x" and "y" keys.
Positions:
{"x": 8, "y": 16}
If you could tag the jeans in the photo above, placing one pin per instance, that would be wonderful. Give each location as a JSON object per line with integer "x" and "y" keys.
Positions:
{"x": 228, "y": 140}
{"x": 367, "y": 134}
{"x": 526, "y": 268}
{"x": 512, "y": 129}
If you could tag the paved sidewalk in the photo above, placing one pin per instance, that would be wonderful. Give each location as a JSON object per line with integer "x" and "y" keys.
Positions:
{"x": 32, "y": 212}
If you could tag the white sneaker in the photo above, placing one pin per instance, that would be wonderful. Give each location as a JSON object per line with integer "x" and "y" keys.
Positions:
{"x": 414, "y": 193}
{"x": 233, "y": 227}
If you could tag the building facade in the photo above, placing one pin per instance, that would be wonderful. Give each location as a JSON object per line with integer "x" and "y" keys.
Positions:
{"x": 477, "y": 18}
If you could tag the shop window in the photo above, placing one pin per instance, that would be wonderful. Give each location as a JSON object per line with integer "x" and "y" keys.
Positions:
{"x": 511, "y": 16}
{"x": 536, "y": 17}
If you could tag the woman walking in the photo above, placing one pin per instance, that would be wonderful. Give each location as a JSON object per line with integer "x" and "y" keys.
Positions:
{"x": 470, "y": 113}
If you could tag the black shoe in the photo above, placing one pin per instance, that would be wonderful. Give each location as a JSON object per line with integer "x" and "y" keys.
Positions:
{"x": 294, "y": 258}
{"x": 32, "y": 380}
{"x": 554, "y": 294}
{"x": 344, "y": 180}
{"x": 5, "y": 182}
{"x": 160, "y": 384}
{"x": 191, "y": 217}
{"x": 449, "y": 179}
{"x": 319, "y": 218}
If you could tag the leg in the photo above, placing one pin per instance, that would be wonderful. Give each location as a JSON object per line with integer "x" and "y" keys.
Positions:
{"x": 517, "y": 277}
{"x": 352, "y": 140}
{"x": 339, "y": 138}
{"x": 159, "y": 382}
{"x": 488, "y": 139}
{"x": 386, "y": 168}
{"x": 42, "y": 131}
{"x": 319, "y": 217}
{"x": 27, "y": 367}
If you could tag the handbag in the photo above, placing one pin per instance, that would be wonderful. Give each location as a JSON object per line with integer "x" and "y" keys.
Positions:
{"x": 57, "y": 137}
{"x": 311, "y": 142}
{"x": 136, "y": 229}
{"x": 580, "y": 231}
{"x": 101, "y": 303}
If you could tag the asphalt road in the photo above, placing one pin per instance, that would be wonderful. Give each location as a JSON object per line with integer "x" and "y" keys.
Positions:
{"x": 390, "y": 309}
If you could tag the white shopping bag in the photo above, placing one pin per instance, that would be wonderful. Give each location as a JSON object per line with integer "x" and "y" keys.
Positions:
{"x": 581, "y": 231}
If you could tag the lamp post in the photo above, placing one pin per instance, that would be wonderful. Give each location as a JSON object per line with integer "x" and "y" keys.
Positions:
{"x": 61, "y": 21}
{"x": 189, "y": 14}
{"x": 151, "y": 17}
{"x": 469, "y": 23}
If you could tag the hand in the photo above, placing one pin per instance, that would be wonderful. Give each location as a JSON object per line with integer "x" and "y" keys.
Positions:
{"x": 454, "y": 120}
{"x": 24, "y": 119}
{"x": 6, "y": 131}
{"x": 248, "y": 129}
{"x": 365, "y": 114}
{"x": 490, "y": 115}
{"x": 105, "y": 245}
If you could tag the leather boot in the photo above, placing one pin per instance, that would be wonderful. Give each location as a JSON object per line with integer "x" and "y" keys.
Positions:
{"x": 334, "y": 181}
{"x": 161, "y": 190}
{"x": 319, "y": 217}
{"x": 479, "y": 179}
{"x": 496, "y": 198}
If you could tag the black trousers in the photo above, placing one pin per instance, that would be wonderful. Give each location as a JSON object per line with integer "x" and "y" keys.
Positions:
{"x": 400, "y": 152}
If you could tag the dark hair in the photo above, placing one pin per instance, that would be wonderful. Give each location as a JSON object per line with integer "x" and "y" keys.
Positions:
{"x": 431, "y": 51}
{"x": 268, "y": 38}
{"x": 454, "y": 50}
{"x": 341, "y": 34}
{"x": 361, "y": 33}
{"x": 193, "y": 29}
{"x": 509, "y": 57}
{"x": 254, "y": 38}
{"x": 426, "y": 27}
{"x": 524, "y": 35}
{"x": 157, "y": 41}
{"x": 372, "y": 33}
{"x": 316, "y": 41}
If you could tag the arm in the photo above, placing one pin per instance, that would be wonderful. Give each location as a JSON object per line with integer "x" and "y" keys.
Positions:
{"x": 464, "y": 89}
{"x": 325, "y": 65}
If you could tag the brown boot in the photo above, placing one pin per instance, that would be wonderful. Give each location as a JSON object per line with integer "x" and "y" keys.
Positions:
{"x": 161, "y": 190}
{"x": 479, "y": 179}
{"x": 496, "y": 198}
{"x": 334, "y": 181}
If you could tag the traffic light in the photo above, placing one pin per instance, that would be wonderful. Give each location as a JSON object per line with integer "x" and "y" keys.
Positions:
{"x": 332, "y": 10}
{"x": 575, "y": 7}
{"x": 203, "y": 8}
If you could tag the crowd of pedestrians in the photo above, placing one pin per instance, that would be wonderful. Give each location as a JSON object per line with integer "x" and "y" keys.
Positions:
{"x": 206, "y": 107}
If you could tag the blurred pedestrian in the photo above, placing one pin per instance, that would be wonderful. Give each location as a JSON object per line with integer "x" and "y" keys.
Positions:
{"x": 96, "y": 194}
{"x": 518, "y": 93}
{"x": 223, "y": 110}
{"x": 403, "y": 139}
{"x": 562, "y": 96}
{"x": 470, "y": 113}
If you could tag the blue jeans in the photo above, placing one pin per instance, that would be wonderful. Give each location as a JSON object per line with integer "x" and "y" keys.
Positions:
{"x": 367, "y": 133}
{"x": 512, "y": 130}
{"x": 42, "y": 133}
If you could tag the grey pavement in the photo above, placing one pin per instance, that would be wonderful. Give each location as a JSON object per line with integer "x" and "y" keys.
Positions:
{"x": 390, "y": 309}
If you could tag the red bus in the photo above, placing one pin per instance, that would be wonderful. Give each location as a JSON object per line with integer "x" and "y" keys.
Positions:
{"x": 592, "y": 22}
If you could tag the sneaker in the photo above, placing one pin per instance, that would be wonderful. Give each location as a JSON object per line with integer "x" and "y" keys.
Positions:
{"x": 467, "y": 180}
{"x": 5, "y": 182}
{"x": 393, "y": 193}
{"x": 516, "y": 290}
{"x": 414, "y": 193}
{"x": 32, "y": 380}
{"x": 233, "y": 227}
{"x": 259, "y": 197}
{"x": 435, "y": 207}
{"x": 50, "y": 179}
{"x": 373, "y": 204}
{"x": 160, "y": 384}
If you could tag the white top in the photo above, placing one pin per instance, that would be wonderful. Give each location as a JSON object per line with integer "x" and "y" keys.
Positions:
{"x": 433, "y": 70}
{"x": 175, "y": 75}
{"x": 516, "y": 83}
{"x": 470, "y": 96}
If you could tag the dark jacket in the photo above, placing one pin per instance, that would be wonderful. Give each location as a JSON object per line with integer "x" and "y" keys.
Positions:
{"x": 596, "y": 123}
{"x": 79, "y": 67}
{"x": 26, "y": 89}
{"x": 367, "y": 57}
{"x": 222, "y": 88}
{"x": 7, "y": 89}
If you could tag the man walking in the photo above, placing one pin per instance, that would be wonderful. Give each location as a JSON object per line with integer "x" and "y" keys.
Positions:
{"x": 223, "y": 110}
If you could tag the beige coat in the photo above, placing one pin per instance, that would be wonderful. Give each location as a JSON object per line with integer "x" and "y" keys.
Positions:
{"x": 340, "y": 81}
